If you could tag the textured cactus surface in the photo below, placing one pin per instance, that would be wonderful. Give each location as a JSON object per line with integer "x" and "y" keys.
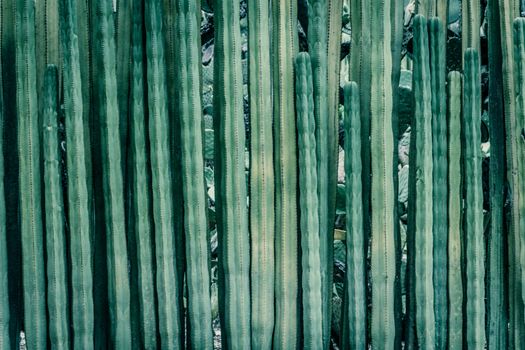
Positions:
{"x": 473, "y": 228}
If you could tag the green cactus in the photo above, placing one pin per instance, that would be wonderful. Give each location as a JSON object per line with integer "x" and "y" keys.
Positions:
{"x": 497, "y": 312}
{"x": 33, "y": 271}
{"x": 455, "y": 237}
{"x": 187, "y": 16}
{"x": 310, "y": 227}
{"x": 82, "y": 308}
{"x": 355, "y": 334}
{"x": 473, "y": 228}
{"x": 285, "y": 41}
{"x": 421, "y": 176}
{"x": 230, "y": 182}
{"x": 439, "y": 177}
{"x": 54, "y": 205}
{"x": 383, "y": 255}
{"x": 47, "y": 39}
{"x": 262, "y": 182}
{"x": 5, "y": 343}
{"x": 470, "y": 24}
{"x": 139, "y": 179}
{"x": 112, "y": 179}
{"x": 168, "y": 291}
{"x": 123, "y": 27}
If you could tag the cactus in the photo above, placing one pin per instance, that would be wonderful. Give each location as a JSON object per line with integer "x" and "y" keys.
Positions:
{"x": 30, "y": 178}
{"x": 117, "y": 260}
{"x": 232, "y": 221}
{"x": 439, "y": 177}
{"x": 473, "y": 228}
{"x": 5, "y": 343}
{"x": 139, "y": 179}
{"x": 47, "y": 39}
{"x": 187, "y": 16}
{"x": 262, "y": 182}
{"x": 123, "y": 27}
{"x": 355, "y": 334}
{"x": 82, "y": 311}
{"x": 421, "y": 176}
{"x": 285, "y": 41}
{"x": 383, "y": 264}
{"x": 170, "y": 327}
{"x": 54, "y": 205}
{"x": 455, "y": 237}
{"x": 470, "y": 24}
{"x": 310, "y": 227}
{"x": 497, "y": 312}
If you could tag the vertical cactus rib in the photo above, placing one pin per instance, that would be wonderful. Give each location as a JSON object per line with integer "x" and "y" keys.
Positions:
{"x": 439, "y": 177}
{"x": 47, "y": 35}
{"x": 82, "y": 310}
{"x": 497, "y": 308}
{"x": 422, "y": 171}
{"x": 355, "y": 334}
{"x": 187, "y": 17}
{"x": 383, "y": 264}
{"x": 5, "y": 343}
{"x": 455, "y": 238}
{"x": 309, "y": 223}
{"x": 285, "y": 44}
{"x": 170, "y": 327}
{"x": 519, "y": 59}
{"x": 140, "y": 186}
{"x": 470, "y": 24}
{"x": 475, "y": 248}
{"x": 317, "y": 47}
{"x": 262, "y": 182}
{"x": 33, "y": 271}
{"x": 230, "y": 176}
{"x": 117, "y": 260}
{"x": 54, "y": 205}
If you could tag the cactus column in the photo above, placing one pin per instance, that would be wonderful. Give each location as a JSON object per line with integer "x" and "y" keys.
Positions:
{"x": 262, "y": 182}
{"x": 30, "y": 178}
{"x": 473, "y": 228}
{"x": 285, "y": 44}
{"x": 230, "y": 181}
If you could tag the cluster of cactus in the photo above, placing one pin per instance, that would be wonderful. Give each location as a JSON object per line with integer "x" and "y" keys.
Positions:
{"x": 105, "y": 221}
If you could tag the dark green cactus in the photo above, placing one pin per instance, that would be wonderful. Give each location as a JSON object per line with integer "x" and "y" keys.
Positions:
{"x": 30, "y": 178}
{"x": 82, "y": 308}
{"x": 285, "y": 45}
{"x": 54, "y": 209}
{"x": 470, "y": 24}
{"x": 421, "y": 167}
{"x": 47, "y": 39}
{"x": 187, "y": 16}
{"x": 139, "y": 179}
{"x": 170, "y": 327}
{"x": 439, "y": 177}
{"x": 473, "y": 227}
{"x": 112, "y": 179}
{"x": 262, "y": 182}
{"x": 455, "y": 236}
{"x": 230, "y": 182}
{"x": 355, "y": 333}
{"x": 383, "y": 254}
{"x": 310, "y": 227}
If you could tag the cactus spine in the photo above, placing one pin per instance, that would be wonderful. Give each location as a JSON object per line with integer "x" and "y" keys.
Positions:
{"x": 55, "y": 238}
{"x": 355, "y": 334}
{"x": 262, "y": 182}
{"x": 383, "y": 264}
{"x": 78, "y": 196}
{"x": 439, "y": 177}
{"x": 285, "y": 41}
{"x": 473, "y": 228}
{"x": 311, "y": 260}
{"x": 421, "y": 177}
{"x": 117, "y": 260}
{"x": 232, "y": 224}
{"x": 187, "y": 16}
{"x": 455, "y": 279}
{"x": 170, "y": 326}
{"x": 140, "y": 187}
{"x": 30, "y": 178}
